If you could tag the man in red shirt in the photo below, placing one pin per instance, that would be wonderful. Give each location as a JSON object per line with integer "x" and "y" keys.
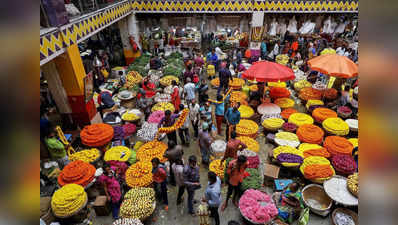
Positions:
{"x": 233, "y": 146}
{"x": 159, "y": 177}
{"x": 236, "y": 173}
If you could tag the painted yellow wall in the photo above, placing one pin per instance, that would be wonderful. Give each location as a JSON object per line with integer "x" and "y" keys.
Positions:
{"x": 71, "y": 70}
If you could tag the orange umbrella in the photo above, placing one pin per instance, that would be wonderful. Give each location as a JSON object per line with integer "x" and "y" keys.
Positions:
{"x": 334, "y": 65}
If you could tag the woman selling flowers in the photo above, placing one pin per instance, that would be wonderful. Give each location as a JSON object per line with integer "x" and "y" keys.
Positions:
{"x": 112, "y": 189}
{"x": 290, "y": 203}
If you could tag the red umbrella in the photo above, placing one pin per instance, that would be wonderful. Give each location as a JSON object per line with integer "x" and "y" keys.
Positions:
{"x": 265, "y": 71}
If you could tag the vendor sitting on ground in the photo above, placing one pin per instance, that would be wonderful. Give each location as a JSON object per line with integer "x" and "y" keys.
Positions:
{"x": 104, "y": 101}
{"x": 155, "y": 63}
{"x": 56, "y": 148}
{"x": 289, "y": 203}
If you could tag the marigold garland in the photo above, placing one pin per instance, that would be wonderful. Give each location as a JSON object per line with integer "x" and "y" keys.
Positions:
{"x": 247, "y": 128}
{"x": 180, "y": 121}
{"x": 217, "y": 168}
{"x": 301, "y": 84}
{"x": 253, "y": 88}
{"x": 96, "y": 135}
{"x": 310, "y": 133}
{"x": 132, "y": 78}
{"x": 313, "y": 150}
{"x": 279, "y": 92}
{"x": 77, "y": 172}
{"x": 285, "y": 149}
{"x": 117, "y": 153}
{"x": 163, "y": 106}
{"x": 150, "y": 150}
{"x": 235, "y": 83}
{"x": 300, "y": 119}
{"x": 251, "y": 143}
{"x": 287, "y": 112}
{"x": 308, "y": 93}
{"x": 276, "y": 84}
{"x": 287, "y": 138}
{"x": 68, "y": 200}
{"x": 273, "y": 123}
{"x": 87, "y": 155}
{"x": 130, "y": 116}
{"x": 237, "y": 96}
{"x": 336, "y": 126}
{"x": 354, "y": 141}
{"x": 139, "y": 174}
{"x": 321, "y": 114}
{"x": 320, "y": 176}
{"x": 338, "y": 145}
{"x": 246, "y": 111}
{"x": 284, "y": 103}
{"x": 313, "y": 102}
{"x": 317, "y": 171}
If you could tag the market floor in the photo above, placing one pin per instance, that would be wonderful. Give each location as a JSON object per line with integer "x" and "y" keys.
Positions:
{"x": 178, "y": 215}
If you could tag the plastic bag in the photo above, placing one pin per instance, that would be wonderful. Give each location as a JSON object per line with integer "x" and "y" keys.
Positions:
{"x": 304, "y": 217}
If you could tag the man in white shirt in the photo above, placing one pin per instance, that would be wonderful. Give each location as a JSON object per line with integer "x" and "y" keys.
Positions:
{"x": 189, "y": 90}
{"x": 194, "y": 116}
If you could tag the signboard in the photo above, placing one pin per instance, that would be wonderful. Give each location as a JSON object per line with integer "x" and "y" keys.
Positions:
{"x": 88, "y": 87}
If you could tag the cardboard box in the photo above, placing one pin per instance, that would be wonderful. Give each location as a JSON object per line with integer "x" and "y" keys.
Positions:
{"x": 101, "y": 206}
{"x": 271, "y": 171}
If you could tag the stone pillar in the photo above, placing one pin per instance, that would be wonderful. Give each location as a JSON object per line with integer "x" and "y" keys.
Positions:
{"x": 128, "y": 26}
{"x": 71, "y": 72}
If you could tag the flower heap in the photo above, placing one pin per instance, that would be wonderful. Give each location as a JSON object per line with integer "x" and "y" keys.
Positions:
{"x": 217, "y": 168}
{"x": 284, "y": 103}
{"x": 132, "y": 78}
{"x": 276, "y": 84}
{"x": 236, "y": 83}
{"x": 87, "y": 155}
{"x": 301, "y": 84}
{"x": 77, "y": 172}
{"x": 152, "y": 149}
{"x": 330, "y": 94}
{"x": 344, "y": 111}
{"x": 287, "y": 138}
{"x": 156, "y": 117}
{"x": 180, "y": 121}
{"x": 163, "y": 106}
{"x": 338, "y": 145}
{"x": 251, "y": 143}
{"x": 252, "y": 206}
{"x": 273, "y": 124}
{"x": 246, "y": 111}
{"x": 253, "y": 87}
{"x": 117, "y": 153}
{"x": 344, "y": 164}
{"x": 312, "y": 102}
{"x": 309, "y": 150}
{"x": 96, "y": 135}
{"x": 289, "y": 127}
{"x": 166, "y": 80}
{"x": 237, "y": 96}
{"x": 130, "y": 116}
{"x": 321, "y": 114}
{"x": 317, "y": 169}
{"x": 129, "y": 129}
{"x": 247, "y": 128}
{"x": 118, "y": 133}
{"x": 308, "y": 93}
{"x": 310, "y": 133}
{"x": 253, "y": 160}
{"x": 68, "y": 200}
{"x": 353, "y": 184}
{"x": 288, "y": 156}
{"x": 138, "y": 203}
{"x": 354, "y": 141}
{"x": 300, "y": 119}
{"x": 139, "y": 174}
{"x": 282, "y": 59}
{"x": 287, "y": 112}
{"x": 279, "y": 92}
{"x": 336, "y": 126}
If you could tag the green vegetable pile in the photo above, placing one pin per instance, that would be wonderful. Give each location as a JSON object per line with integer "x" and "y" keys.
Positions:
{"x": 139, "y": 65}
{"x": 253, "y": 181}
{"x": 175, "y": 65}
{"x": 133, "y": 157}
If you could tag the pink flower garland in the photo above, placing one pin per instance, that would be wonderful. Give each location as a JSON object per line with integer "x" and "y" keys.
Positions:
{"x": 253, "y": 162}
{"x": 251, "y": 208}
{"x": 129, "y": 129}
{"x": 156, "y": 117}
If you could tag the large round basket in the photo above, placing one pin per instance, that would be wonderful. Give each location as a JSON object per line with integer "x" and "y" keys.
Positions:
{"x": 316, "y": 199}
{"x": 348, "y": 212}
{"x": 336, "y": 188}
{"x": 74, "y": 213}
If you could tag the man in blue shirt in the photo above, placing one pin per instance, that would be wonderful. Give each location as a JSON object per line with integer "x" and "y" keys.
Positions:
{"x": 232, "y": 117}
{"x": 214, "y": 59}
{"x": 220, "y": 109}
{"x": 213, "y": 195}
{"x": 225, "y": 76}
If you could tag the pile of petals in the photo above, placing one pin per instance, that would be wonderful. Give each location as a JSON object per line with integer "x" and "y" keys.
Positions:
{"x": 317, "y": 168}
{"x": 300, "y": 119}
{"x": 119, "y": 167}
{"x": 273, "y": 124}
{"x": 253, "y": 181}
{"x": 246, "y": 111}
{"x": 129, "y": 129}
{"x": 330, "y": 94}
{"x": 287, "y": 112}
{"x": 68, "y": 200}
{"x": 156, "y": 117}
{"x": 310, "y": 133}
{"x": 96, "y": 135}
{"x": 251, "y": 143}
{"x": 167, "y": 80}
{"x": 301, "y": 84}
{"x": 216, "y": 167}
{"x": 129, "y": 116}
{"x": 336, "y": 126}
{"x": 279, "y": 92}
{"x": 148, "y": 131}
{"x": 77, "y": 172}
{"x": 312, "y": 102}
{"x": 313, "y": 150}
{"x": 253, "y": 161}
{"x": 288, "y": 156}
{"x": 139, "y": 174}
{"x": 289, "y": 127}
{"x": 117, "y": 153}
{"x": 251, "y": 207}
{"x": 237, "y": 96}
{"x": 338, "y": 145}
{"x": 236, "y": 83}
{"x": 354, "y": 141}
{"x": 163, "y": 106}
{"x": 284, "y": 103}
{"x": 321, "y": 114}
{"x": 247, "y": 128}
{"x": 276, "y": 84}
{"x": 118, "y": 133}
{"x": 344, "y": 111}
{"x": 344, "y": 164}
{"x": 308, "y": 93}
{"x": 87, "y": 155}
{"x": 152, "y": 149}
{"x": 287, "y": 138}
